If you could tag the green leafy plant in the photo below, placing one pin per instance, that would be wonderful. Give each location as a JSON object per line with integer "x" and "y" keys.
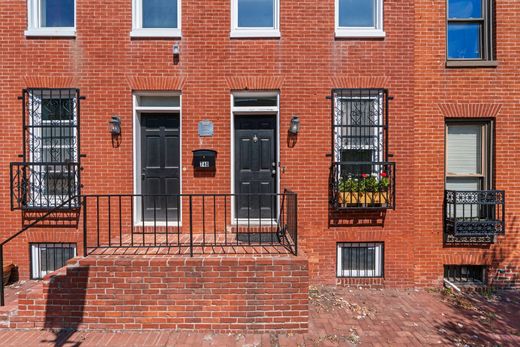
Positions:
{"x": 367, "y": 183}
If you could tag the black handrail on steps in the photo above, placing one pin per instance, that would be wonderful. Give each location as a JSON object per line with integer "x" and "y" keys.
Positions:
{"x": 28, "y": 226}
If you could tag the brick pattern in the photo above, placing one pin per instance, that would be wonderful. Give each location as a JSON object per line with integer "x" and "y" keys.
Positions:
{"x": 304, "y": 64}
{"x": 221, "y": 294}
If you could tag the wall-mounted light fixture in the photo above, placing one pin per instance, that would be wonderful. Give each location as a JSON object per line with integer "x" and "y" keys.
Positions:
{"x": 115, "y": 126}
{"x": 294, "y": 128}
{"x": 176, "y": 49}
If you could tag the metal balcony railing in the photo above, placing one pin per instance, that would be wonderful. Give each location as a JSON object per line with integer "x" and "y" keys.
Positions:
{"x": 363, "y": 185}
{"x": 189, "y": 224}
{"x": 474, "y": 213}
{"x": 44, "y": 186}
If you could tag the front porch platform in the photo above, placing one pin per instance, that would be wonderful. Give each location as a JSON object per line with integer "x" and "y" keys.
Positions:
{"x": 265, "y": 242}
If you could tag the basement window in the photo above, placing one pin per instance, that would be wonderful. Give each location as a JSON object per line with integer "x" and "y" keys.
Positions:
{"x": 51, "y": 18}
{"x": 360, "y": 259}
{"x": 465, "y": 274}
{"x": 48, "y": 257}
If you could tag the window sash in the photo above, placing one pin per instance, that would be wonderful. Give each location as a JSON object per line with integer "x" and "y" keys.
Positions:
{"x": 255, "y": 30}
{"x": 48, "y": 257}
{"x": 484, "y": 176}
{"x": 378, "y": 20}
{"x": 358, "y": 266}
{"x": 486, "y": 31}
{"x": 45, "y": 179}
{"x": 36, "y": 14}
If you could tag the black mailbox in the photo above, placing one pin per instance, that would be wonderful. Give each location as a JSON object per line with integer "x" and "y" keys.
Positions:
{"x": 204, "y": 159}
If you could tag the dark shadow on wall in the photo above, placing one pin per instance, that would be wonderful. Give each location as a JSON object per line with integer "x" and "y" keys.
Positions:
{"x": 356, "y": 218}
{"x": 64, "y": 310}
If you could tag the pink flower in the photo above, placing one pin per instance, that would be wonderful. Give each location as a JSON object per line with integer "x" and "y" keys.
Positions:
{"x": 384, "y": 174}
{"x": 364, "y": 175}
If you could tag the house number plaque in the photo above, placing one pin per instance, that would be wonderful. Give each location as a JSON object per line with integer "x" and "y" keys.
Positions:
{"x": 205, "y": 128}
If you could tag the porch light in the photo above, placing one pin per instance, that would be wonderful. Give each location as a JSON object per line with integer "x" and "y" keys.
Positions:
{"x": 176, "y": 49}
{"x": 115, "y": 126}
{"x": 294, "y": 128}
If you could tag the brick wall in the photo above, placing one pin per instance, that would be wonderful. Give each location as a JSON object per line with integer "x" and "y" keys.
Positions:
{"x": 303, "y": 65}
{"x": 222, "y": 294}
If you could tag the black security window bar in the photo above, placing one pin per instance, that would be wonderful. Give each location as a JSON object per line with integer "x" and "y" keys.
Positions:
{"x": 360, "y": 260}
{"x": 48, "y": 257}
{"x": 361, "y": 175}
{"x": 470, "y": 30}
{"x": 465, "y": 274}
{"x": 472, "y": 207}
{"x": 49, "y": 173}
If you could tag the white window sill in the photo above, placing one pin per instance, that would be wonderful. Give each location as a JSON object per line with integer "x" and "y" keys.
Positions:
{"x": 255, "y": 33}
{"x": 360, "y": 33}
{"x": 152, "y": 32}
{"x": 51, "y": 32}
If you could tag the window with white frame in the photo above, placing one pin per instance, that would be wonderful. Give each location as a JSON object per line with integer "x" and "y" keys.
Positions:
{"x": 53, "y": 147}
{"x": 359, "y": 18}
{"x": 49, "y": 257}
{"x": 360, "y": 259}
{"x": 156, "y": 18}
{"x": 255, "y": 18}
{"x": 51, "y": 18}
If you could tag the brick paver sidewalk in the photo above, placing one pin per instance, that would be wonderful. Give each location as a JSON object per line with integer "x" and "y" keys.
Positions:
{"x": 342, "y": 317}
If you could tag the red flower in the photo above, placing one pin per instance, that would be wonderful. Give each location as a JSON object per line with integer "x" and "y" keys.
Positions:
{"x": 384, "y": 174}
{"x": 364, "y": 175}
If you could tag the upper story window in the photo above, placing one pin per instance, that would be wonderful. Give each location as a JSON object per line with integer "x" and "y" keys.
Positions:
{"x": 51, "y": 18}
{"x": 255, "y": 18}
{"x": 359, "y": 18}
{"x": 156, "y": 18}
{"x": 470, "y": 32}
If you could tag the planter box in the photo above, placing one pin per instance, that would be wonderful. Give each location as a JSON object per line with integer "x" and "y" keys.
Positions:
{"x": 363, "y": 198}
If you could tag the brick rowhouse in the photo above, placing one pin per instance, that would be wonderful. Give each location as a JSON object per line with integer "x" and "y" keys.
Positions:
{"x": 302, "y": 66}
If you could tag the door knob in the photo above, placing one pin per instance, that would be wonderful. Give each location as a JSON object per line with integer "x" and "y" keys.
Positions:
{"x": 143, "y": 174}
{"x": 273, "y": 172}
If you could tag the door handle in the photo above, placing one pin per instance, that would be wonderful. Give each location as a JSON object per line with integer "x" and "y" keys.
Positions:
{"x": 143, "y": 174}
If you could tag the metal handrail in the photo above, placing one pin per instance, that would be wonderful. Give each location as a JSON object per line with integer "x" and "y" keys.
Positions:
{"x": 28, "y": 226}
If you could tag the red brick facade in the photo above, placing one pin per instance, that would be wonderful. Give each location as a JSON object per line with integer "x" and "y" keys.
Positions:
{"x": 151, "y": 293}
{"x": 303, "y": 65}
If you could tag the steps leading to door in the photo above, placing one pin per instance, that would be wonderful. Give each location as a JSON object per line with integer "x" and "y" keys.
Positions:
{"x": 140, "y": 292}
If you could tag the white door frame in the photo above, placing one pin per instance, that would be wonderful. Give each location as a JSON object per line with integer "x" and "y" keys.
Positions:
{"x": 137, "y": 112}
{"x": 255, "y": 111}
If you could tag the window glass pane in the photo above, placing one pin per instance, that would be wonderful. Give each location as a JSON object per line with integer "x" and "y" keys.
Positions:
{"x": 360, "y": 259}
{"x": 159, "y": 13}
{"x": 465, "y": 8}
{"x": 464, "y": 40}
{"x": 251, "y": 101}
{"x": 57, "y": 13}
{"x": 159, "y": 101}
{"x": 464, "y": 149}
{"x": 256, "y": 13}
{"x": 57, "y": 109}
{"x": 50, "y": 257}
{"x": 463, "y": 183}
{"x": 357, "y": 13}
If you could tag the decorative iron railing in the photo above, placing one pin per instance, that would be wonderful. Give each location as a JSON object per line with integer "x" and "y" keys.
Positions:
{"x": 363, "y": 185}
{"x": 42, "y": 186}
{"x": 474, "y": 213}
{"x": 190, "y": 223}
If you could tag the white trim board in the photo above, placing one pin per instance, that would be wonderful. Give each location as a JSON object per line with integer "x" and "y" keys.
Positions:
{"x": 136, "y": 139}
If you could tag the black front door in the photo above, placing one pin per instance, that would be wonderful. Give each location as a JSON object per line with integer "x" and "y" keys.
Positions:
{"x": 255, "y": 167}
{"x": 160, "y": 166}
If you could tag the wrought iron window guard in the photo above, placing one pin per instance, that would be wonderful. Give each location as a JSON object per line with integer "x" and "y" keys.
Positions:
{"x": 474, "y": 213}
{"x": 363, "y": 185}
{"x": 42, "y": 186}
{"x": 361, "y": 175}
